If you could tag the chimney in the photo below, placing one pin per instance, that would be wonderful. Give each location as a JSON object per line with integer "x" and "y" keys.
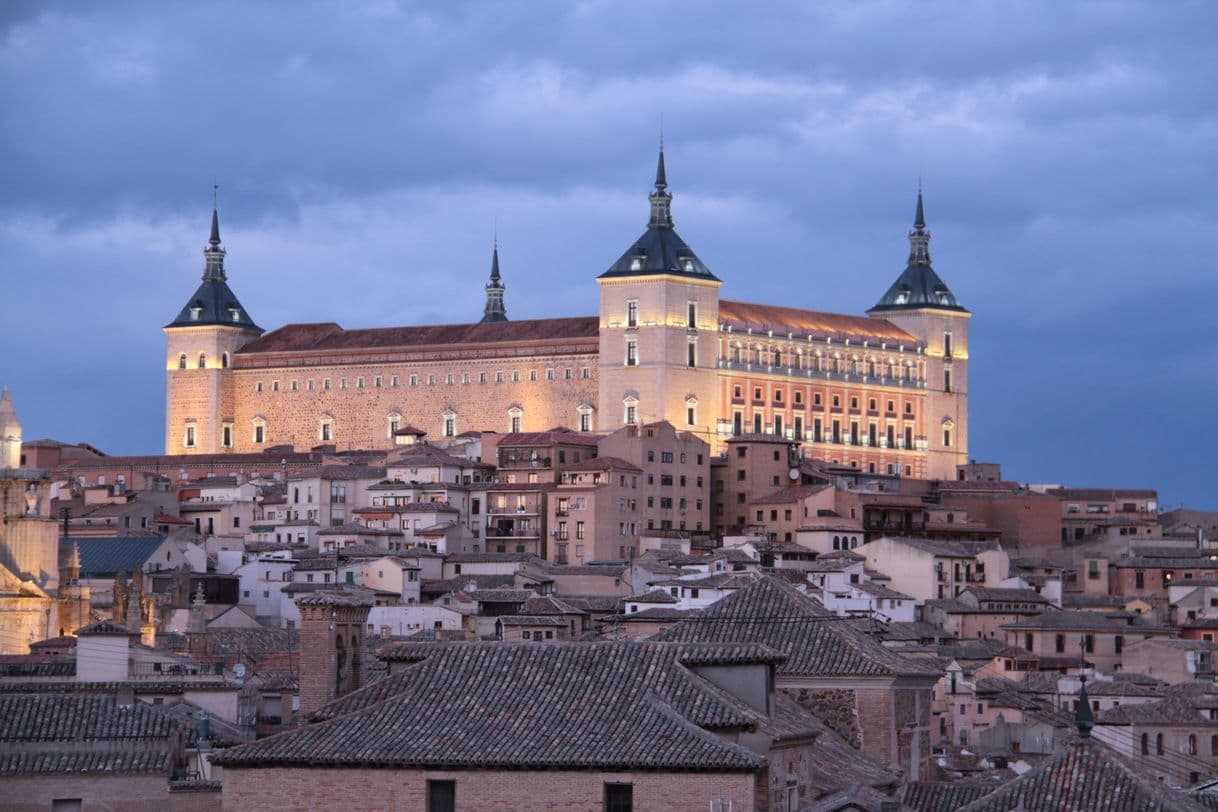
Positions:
{"x": 331, "y": 645}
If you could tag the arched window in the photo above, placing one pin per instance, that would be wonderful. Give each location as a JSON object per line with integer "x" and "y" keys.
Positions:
{"x": 202, "y": 360}
{"x": 1146, "y": 744}
{"x": 777, "y": 358}
{"x": 182, "y": 361}
{"x": 1159, "y": 744}
{"x": 224, "y": 360}
{"x": 837, "y": 542}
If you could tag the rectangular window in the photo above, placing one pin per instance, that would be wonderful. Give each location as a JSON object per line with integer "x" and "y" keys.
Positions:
{"x": 632, "y": 353}
{"x": 515, "y": 425}
{"x": 481, "y": 377}
{"x": 393, "y": 382}
{"x": 325, "y": 384}
{"x": 947, "y": 438}
{"x": 691, "y": 316}
{"x": 689, "y": 416}
{"x": 499, "y": 377}
{"x": 274, "y": 386}
{"x": 450, "y": 426}
{"x": 442, "y": 795}
{"x": 342, "y": 383}
{"x": 259, "y": 434}
{"x": 947, "y": 380}
{"x": 378, "y": 382}
{"x": 293, "y": 386}
{"x": 226, "y": 436}
{"x": 190, "y": 436}
{"x": 632, "y": 313}
{"x": 947, "y": 345}
{"x": 585, "y": 421}
{"x": 549, "y": 374}
{"x": 327, "y": 432}
{"x": 309, "y": 384}
{"x": 585, "y": 373}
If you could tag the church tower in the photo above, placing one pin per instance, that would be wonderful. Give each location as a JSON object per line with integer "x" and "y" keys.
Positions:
{"x": 659, "y": 319}
{"x": 202, "y": 341}
{"x": 920, "y": 303}
{"x": 494, "y": 310}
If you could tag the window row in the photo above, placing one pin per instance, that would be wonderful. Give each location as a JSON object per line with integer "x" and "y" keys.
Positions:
{"x": 201, "y": 362}
{"x": 449, "y": 379}
{"x": 778, "y": 399}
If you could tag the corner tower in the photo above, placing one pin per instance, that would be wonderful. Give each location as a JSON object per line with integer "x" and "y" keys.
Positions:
{"x": 920, "y": 303}
{"x": 202, "y": 341}
{"x": 659, "y": 321}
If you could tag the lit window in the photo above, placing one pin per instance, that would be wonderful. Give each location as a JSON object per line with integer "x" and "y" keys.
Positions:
{"x": 182, "y": 361}
{"x": 632, "y": 353}
{"x": 190, "y": 436}
{"x": 632, "y": 313}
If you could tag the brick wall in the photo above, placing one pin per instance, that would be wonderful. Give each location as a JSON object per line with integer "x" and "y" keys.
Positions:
{"x": 103, "y": 793}
{"x": 485, "y": 791}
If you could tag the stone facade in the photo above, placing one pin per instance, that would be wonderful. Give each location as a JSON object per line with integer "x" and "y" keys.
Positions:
{"x": 884, "y": 393}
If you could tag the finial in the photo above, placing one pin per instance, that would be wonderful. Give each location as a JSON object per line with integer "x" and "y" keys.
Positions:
{"x": 919, "y": 217}
{"x": 495, "y": 261}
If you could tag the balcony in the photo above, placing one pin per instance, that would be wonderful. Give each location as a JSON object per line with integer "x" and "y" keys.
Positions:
{"x": 526, "y": 510}
{"x": 160, "y": 671}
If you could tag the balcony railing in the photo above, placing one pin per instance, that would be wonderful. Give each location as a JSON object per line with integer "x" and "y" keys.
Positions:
{"x": 156, "y": 671}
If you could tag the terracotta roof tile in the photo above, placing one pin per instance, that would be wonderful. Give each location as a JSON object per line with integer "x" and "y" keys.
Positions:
{"x": 623, "y": 706}
{"x": 802, "y": 323}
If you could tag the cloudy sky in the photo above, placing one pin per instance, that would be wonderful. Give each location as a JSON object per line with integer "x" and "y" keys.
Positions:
{"x": 367, "y": 151}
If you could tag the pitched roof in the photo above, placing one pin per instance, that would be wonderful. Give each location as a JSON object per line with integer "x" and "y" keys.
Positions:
{"x": 106, "y": 556}
{"x": 741, "y": 316}
{"x": 68, "y": 717}
{"x": 1086, "y": 776}
{"x": 623, "y": 706}
{"x": 328, "y": 336}
{"x": 104, "y": 627}
{"x": 215, "y": 303}
{"x": 817, "y": 642}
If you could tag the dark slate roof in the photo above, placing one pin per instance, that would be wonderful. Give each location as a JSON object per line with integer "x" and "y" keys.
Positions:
{"x": 918, "y": 285}
{"x": 660, "y": 250}
{"x": 66, "y": 717}
{"x": 623, "y": 706}
{"x": 817, "y": 642}
{"x": 214, "y": 300}
{"x": 1087, "y": 776}
{"x": 101, "y": 557}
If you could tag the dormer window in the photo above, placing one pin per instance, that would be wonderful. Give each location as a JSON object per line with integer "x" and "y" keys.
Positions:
{"x": 902, "y": 297}
{"x": 636, "y": 263}
{"x": 234, "y": 313}
{"x": 688, "y": 265}
{"x": 195, "y": 313}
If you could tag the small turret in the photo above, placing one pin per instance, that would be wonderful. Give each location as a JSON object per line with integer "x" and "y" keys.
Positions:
{"x": 495, "y": 309}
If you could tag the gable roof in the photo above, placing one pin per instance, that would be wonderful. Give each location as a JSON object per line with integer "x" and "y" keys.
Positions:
{"x": 816, "y": 641}
{"x": 100, "y": 557}
{"x": 623, "y": 706}
{"x": 1086, "y": 776}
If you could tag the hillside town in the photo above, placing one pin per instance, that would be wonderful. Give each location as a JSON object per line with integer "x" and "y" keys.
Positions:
{"x": 632, "y": 618}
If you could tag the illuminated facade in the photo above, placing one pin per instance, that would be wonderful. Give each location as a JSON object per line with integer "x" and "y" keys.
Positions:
{"x": 886, "y": 392}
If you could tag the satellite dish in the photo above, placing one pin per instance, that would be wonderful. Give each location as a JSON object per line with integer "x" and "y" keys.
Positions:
{"x": 793, "y": 474}
{"x": 239, "y": 671}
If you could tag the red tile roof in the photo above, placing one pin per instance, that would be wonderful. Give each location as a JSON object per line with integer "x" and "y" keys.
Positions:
{"x": 328, "y": 336}
{"x": 782, "y": 320}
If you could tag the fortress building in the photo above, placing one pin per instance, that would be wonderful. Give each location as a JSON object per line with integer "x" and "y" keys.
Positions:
{"x": 885, "y": 392}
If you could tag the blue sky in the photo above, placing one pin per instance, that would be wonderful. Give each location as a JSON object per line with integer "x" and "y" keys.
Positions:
{"x": 367, "y": 151}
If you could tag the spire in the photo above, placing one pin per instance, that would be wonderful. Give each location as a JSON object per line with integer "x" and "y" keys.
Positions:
{"x": 494, "y": 309}
{"x": 661, "y": 199}
{"x": 74, "y": 564}
{"x": 919, "y": 238}
{"x": 661, "y": 175}
{"x": 1084, "y": 719}
{"x": 213, "y": 269}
